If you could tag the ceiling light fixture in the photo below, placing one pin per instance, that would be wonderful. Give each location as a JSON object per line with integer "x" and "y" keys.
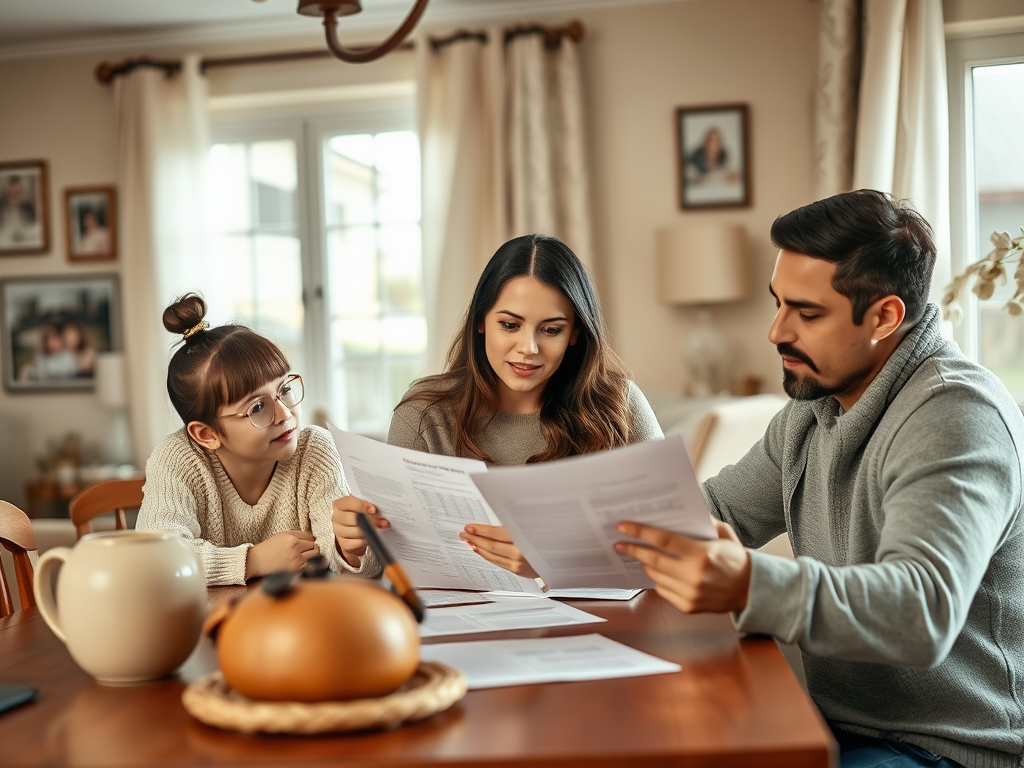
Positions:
{"x": 331, "y": 10}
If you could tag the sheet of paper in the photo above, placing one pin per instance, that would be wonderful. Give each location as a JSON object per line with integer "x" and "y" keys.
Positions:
{"x": 563, "y": 514}
{"x": 435, "y": 598}
{"x": 581, "y": 593}
{"x": 508, "y": 613}
{"x": 494, "y": 663}
{"x": 428, "y": 499}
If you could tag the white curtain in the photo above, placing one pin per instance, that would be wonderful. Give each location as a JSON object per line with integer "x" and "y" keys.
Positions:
{"x": 463, "y": 220}
{"x": 503, "y": 153}
{"x": 902, "y": 117}
{"x": 835, "y": 117}
{"x": 163, "y": 141}
{"x": 903, "y": 121}
{"x": 547, "y": 167}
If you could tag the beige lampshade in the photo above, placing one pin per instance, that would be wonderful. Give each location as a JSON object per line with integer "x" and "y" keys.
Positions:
{"x": 110, "y": 383}
{"x": 702, "y": 264}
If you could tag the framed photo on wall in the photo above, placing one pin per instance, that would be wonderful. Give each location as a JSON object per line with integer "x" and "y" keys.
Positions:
{"x": 90, "y": 221}
{"x": 24, "y": 217}
{"x": 53, "y": 327}
{"x": 713, "y": 151}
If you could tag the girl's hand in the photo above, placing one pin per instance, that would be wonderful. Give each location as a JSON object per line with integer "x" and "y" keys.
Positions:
{"x": 349, "y": 539}
{"x": 493, "y": 544}
{"x": 284, "y": 551}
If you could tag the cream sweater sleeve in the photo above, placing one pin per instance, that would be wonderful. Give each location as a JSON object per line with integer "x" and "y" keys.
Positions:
{"x": 180, "y": 491}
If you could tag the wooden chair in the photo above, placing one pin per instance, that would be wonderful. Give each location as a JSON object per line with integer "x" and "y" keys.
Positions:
{"x": 18, "y": 538}
{"x": 108, "y": 496}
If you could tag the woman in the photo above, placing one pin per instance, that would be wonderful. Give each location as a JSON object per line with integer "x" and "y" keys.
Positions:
{"x": 530, "y": 377}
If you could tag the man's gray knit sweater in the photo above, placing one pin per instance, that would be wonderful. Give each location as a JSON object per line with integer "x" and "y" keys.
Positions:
{"x": 907, "y": 592}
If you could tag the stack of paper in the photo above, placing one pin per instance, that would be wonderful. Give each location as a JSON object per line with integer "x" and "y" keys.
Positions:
{"x": 562, "y": 516}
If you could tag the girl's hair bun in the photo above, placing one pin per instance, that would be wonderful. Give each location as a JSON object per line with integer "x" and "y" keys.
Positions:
{"x": 185, "y": 313}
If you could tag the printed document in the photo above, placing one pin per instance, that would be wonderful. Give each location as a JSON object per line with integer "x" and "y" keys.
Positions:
{"x": 507, "y": 613}
{"x": 428, "y": 499}
{"x": 563, "y": 514}
{"x": 494, "y": 663}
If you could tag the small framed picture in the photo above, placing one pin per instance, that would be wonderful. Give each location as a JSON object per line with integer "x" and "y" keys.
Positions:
{"x": 53, "y": 327}
{"x": 713, "y": 156}
{"x": 90, "y": 220}
{"x": 24, "y": 217}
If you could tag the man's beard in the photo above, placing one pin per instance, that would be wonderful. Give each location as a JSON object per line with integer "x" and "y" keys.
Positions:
{"x": 810, "y": 387}
{"x": 807, "y": 388}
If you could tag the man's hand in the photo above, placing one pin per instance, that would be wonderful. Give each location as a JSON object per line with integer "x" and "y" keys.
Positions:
{"x": 349, "y": 539}
{"x": 284, "y": 551}
{"x": 493, "y": 544}
{"x": 695, "y": 576}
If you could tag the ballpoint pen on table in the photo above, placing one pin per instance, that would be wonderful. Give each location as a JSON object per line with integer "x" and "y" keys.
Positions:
{"x": 402, "y": 586}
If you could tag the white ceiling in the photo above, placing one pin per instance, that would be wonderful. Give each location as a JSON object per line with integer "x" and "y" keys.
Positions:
{"x": 31, "y": 28}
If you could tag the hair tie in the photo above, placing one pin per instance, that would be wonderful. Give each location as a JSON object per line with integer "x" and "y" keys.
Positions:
{"x": 202, "y": 325}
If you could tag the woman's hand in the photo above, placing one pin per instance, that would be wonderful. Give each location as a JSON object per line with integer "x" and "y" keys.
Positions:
{"x": 349, "y": 539}
{"x": 493, "y": 544}
{"x": 284, "y": 551}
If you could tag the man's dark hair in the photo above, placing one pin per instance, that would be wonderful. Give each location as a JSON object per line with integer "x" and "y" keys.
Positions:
{"x": 880, "y": 246}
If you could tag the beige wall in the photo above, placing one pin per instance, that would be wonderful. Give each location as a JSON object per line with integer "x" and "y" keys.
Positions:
{"x": 975, "y": 10}
{"x": 53, "y": 110}
{"x": 643, "y": 63}
{"x": 640, "y": 64}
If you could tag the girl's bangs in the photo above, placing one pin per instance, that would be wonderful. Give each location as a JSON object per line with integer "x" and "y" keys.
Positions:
{"x": 246, "y": 362}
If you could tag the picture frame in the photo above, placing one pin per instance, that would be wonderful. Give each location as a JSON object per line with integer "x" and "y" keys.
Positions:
{"x": 53, "y": 328}
{"x": 24, "y": 208}
{"x": 90, "y": 223}
{"x": 713, "y": 156}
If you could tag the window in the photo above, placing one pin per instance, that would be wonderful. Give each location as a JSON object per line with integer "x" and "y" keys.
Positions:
{"x": 986, "y": 80}
{"x": 318, "y": 247}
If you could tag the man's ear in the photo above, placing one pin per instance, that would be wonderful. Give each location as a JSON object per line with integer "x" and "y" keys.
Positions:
{"x": 889, "y": 313}
{"x": 204, "y": 435}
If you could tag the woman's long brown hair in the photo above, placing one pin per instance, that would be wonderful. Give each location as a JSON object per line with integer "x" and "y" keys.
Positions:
{"x": 583, "y": 408}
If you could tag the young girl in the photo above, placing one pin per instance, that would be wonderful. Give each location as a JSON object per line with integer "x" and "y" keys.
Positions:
{"x": 531, "y": 377}
{"x": 240, "y": 480}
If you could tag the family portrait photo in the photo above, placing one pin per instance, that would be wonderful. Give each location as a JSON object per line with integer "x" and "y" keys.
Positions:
{"x": 713, "y": 155}
{"x": 53, "y": 329}
{"x": 24, "y": 220}
{"x": 90, "y": 223}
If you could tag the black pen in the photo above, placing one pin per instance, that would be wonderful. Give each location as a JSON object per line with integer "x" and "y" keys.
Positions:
{"x": 402, "y": 586}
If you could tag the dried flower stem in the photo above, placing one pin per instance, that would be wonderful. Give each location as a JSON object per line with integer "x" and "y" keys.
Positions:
{"x": 985, "y": 273}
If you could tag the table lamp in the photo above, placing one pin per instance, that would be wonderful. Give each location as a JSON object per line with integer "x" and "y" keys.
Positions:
{"x": 110, "y": 391}
{"x": 700, "y": 265}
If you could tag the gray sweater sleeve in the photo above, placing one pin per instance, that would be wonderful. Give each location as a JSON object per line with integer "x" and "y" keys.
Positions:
{"x": 643, "y": 424}
{"x": 948, "y": 497}
{"x": 405, "y": 428}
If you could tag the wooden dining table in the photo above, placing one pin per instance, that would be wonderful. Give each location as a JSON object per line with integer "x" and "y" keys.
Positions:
{"x": 736, "y": 703}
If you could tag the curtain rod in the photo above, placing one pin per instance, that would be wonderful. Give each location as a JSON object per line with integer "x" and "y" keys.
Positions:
{"x": 106, "y": 71}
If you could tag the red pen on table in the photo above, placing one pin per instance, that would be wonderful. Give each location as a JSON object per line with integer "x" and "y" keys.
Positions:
{"x": 403, "y": 587}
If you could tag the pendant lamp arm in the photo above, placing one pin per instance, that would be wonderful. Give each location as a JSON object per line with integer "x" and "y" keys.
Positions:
{"x": 363, "y": 55}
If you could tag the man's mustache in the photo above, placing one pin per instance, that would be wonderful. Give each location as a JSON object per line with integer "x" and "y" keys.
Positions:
{"x": 790, "y": 351}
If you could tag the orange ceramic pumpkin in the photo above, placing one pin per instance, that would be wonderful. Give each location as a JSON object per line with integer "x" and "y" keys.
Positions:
{"x": 317, "y": 640}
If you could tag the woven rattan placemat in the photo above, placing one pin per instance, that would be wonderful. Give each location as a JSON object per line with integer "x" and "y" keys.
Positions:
{"x": 433, "y": 688}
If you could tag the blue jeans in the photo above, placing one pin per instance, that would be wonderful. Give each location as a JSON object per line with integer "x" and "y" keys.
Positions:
{"x": 857, "y": 751}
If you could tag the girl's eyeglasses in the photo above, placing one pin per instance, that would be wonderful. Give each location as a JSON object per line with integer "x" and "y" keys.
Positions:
{"x": 261, "y": 412}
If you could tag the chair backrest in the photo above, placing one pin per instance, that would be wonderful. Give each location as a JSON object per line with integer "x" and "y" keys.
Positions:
{"x": 729, "y": 430}
{"x": 108, "y": 496}
{"x": 18, "y": 538}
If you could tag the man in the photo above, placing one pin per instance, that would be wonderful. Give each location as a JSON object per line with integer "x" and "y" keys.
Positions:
{"x": 896, "y": 470}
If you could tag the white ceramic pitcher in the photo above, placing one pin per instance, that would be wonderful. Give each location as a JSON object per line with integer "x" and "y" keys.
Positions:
{"x": 129, "y": 606}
